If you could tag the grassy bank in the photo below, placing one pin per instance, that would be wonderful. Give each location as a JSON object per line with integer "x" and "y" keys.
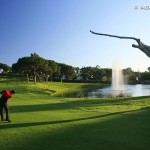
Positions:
{"x": 43, "y": 119}
{"x": 51, "y": 88}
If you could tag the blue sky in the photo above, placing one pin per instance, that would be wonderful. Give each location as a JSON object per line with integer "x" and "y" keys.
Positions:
{"x": 59, "y": 30}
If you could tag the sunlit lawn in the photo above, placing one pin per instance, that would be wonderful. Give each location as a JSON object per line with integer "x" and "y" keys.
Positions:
{"x": 41, "y": 121}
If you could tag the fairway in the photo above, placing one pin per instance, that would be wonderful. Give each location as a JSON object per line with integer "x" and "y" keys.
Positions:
{"x": 44, "y": 119}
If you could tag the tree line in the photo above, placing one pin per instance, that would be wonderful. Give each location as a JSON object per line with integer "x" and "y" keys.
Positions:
{"x": 37, "y": 68}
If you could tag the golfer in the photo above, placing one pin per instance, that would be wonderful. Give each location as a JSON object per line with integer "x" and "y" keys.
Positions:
{"x": 6, "y": 94}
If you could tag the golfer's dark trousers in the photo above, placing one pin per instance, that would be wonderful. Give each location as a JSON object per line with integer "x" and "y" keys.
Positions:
{"x": 5, "y": 106}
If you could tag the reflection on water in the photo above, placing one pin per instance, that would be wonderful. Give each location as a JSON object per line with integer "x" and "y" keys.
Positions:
{"x": 130, "y": 90}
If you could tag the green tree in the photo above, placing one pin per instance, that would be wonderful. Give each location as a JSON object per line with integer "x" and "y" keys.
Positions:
{"x": 34, "y": 66}
{"x": 127, "y": 73}
{"x": 67, "y": 71}
{"x": 5, "y": 68}
{"x": 108, "y": 74}
{"x": 145, "y": 77}
{"x": 55, "y": 69}
{"x": 86, "y": 73}
{"x": 96, "y": 73}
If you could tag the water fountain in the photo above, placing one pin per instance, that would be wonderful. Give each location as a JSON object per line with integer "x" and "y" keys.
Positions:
{"x": 117, "y": 80}
{"x": 117, "y": 88}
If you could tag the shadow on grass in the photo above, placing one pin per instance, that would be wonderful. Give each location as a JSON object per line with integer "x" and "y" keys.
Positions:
{"x": 9, "y": 125}
{"x": 123, "y": 132}
{"x": 73, "y": 104}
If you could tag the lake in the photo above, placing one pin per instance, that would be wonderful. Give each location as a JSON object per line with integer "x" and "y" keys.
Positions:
{"x": 129, "y": 90}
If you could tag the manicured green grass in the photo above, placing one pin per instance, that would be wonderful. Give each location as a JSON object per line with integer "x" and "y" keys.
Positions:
{"x": 45, "y": 120}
